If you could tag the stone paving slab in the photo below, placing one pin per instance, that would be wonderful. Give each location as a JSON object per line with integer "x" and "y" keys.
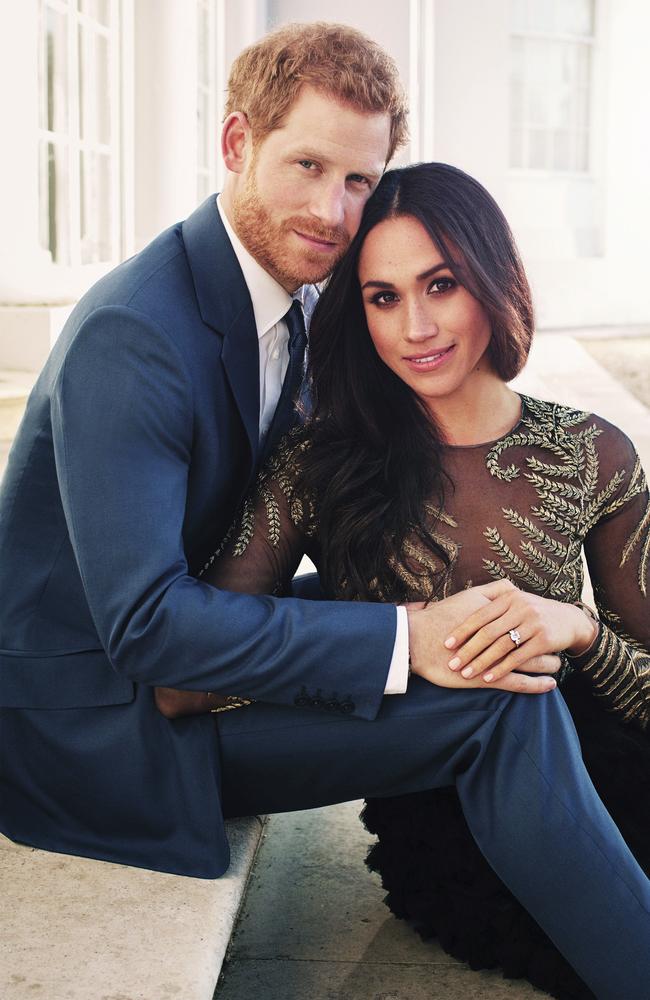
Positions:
{"x": 76, "y": 929}
{"x": 286, "y": 980}
{"x": 314, "y": 926}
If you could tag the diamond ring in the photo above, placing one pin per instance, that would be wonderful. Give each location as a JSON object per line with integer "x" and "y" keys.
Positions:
{"x": 515, "y": 635}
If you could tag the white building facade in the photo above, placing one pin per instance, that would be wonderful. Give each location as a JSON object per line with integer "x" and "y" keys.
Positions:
{"x": 111, "y": 115}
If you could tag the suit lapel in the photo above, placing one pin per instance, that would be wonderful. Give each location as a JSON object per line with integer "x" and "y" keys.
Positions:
{"x": 225, "y": 305}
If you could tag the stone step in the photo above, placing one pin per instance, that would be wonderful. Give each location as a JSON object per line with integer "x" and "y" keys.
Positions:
{"x": 15, "y": 387}
{"x": 76, "y": 929}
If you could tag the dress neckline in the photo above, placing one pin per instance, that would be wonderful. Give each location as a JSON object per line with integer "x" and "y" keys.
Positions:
{"x": 490, "y": 444}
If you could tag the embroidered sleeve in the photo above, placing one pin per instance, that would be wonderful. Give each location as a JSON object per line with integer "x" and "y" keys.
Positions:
{"x": 265, "y": 543}
{"x": 618, "y": 549}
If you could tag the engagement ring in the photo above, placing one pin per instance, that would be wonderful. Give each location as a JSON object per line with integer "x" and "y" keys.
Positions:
{"x": 515, "y": 636}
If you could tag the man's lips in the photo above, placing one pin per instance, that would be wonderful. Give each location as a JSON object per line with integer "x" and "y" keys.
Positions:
{"x": 432, "y": 359}
{"x": 317, "y": 242}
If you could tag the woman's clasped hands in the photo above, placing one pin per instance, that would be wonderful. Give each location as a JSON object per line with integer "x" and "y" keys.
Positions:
{"x": 512, "y": 628}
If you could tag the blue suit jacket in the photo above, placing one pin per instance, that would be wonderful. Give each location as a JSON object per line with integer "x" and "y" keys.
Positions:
{"x": 139, "y": 439}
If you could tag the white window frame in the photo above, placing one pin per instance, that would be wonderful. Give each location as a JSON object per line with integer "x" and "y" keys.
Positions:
{"x": 209, "y": 174}
{"x": 71, "y": 138}
{"x": 593, "y": 41}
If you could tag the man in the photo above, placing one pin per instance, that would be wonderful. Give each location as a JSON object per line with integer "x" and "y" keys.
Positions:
{"x": 142, "y": 434}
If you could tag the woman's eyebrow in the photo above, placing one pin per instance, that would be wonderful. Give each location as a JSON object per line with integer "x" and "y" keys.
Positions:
{"x": 420, "y": 277}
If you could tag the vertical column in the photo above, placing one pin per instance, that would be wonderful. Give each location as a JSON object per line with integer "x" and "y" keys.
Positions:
{"x": 165, "y": 133}
{"x": 20, "y": 254}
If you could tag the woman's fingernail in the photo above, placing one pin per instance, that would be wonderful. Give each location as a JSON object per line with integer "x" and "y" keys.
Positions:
{"x": 450, "y": 642}
{"x": 488, "y": 677}
{"x": 455, "y": 663}
{"x": 552, "y": 684}
{"x": 467, "y": 672}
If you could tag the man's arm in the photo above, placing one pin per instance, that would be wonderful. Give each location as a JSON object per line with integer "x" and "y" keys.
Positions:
{"x": 123, "y": 425}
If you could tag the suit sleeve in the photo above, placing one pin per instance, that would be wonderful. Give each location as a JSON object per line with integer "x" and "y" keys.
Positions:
{"x": 122, "y": 420}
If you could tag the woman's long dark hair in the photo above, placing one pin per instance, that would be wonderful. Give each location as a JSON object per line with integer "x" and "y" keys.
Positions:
{"x": 375, "y": 461}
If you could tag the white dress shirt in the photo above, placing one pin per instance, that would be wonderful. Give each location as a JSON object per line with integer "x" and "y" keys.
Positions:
{"x": 271, "y": 302}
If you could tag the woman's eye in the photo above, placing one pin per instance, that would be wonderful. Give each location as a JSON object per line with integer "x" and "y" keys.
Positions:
{"x": 383, "y": 299}
{"x": 441, "y": 285}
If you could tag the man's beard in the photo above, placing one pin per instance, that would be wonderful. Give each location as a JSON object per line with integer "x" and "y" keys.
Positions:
{"x": 267, "y": 241}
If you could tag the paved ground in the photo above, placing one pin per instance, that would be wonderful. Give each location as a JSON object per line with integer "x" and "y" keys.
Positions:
{"x": 314, "y": 926}
{"x": 627, "y": 360}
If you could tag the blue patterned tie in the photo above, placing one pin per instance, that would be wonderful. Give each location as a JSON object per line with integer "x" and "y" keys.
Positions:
{"x": 281, "y": 422}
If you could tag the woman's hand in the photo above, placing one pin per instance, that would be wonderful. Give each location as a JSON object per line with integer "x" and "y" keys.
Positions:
{"x": 428, "y": 626}
{"x": 514, "y": 627}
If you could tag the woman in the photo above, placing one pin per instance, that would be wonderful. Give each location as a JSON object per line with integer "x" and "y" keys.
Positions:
{"x": 419, "y": 473}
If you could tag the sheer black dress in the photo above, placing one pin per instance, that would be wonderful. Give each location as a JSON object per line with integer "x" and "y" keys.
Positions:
{"x": 562, "y": 483}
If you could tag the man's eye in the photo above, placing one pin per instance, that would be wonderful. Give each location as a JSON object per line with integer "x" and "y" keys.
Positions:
{"x": 359, "y": 179}
{"x": 307, "y": 164}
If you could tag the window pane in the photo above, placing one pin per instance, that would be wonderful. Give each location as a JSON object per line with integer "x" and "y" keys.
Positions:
{"x": 537, "y": 146}
{"x": 519, "y": 15}
{"x": 100, "y": 10}
{"x": 94, "y": 87}
{"x": 204, "y": 132}
{"x": 95, "y": 203}
{"x": 202, "y": 186}
{"x": 56, "y": 70}
{"x": 583, "y": 65}
{"x": 516, "y": 104}
{"x": 562, "y": 150}
{"x": 54, "y": 201}
{"x": 517, "y": 148}
{"x": 204, "y": 44}
{"x": 582, "y": 151}
{"x": 540, "y": 15}
{"x": 576, "y": 17}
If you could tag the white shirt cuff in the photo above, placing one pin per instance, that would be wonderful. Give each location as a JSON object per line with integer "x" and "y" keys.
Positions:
{"x": 398, "y": 672}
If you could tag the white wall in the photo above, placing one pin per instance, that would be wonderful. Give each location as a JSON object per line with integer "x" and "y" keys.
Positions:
{"x": 457, "y": 50}
{"x": 573, "y": 285}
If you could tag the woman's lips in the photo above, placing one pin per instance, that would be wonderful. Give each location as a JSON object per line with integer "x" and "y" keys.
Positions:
{"x": 429, "y": 361}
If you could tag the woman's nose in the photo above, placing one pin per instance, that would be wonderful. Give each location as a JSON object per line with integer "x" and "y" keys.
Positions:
{"x": 421, "y": 324}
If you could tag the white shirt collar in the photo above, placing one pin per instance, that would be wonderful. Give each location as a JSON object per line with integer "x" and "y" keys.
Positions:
{"x": 270, "y": 300}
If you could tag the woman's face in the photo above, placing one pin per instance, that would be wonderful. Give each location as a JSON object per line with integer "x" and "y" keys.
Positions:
{"x": 425, "y": 326}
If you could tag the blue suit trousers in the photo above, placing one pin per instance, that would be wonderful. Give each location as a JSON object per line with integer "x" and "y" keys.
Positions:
{"x": 517, "y": 766}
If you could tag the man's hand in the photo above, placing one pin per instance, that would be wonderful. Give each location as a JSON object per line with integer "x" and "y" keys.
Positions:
{"x": 429, "y": 627}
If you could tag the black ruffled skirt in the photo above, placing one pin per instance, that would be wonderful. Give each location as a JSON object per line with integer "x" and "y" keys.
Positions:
{"x": 437, "y": 879}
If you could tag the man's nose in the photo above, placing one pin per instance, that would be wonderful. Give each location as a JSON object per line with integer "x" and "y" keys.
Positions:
{"x": 328, "y": 204}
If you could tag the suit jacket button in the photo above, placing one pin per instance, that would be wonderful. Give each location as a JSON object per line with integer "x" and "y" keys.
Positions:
{"x": 346, "y": 707}
{"x": 302, "y": 700}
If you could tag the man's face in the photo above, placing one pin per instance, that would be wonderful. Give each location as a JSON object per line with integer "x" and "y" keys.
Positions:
{"x": 299, "y": 201}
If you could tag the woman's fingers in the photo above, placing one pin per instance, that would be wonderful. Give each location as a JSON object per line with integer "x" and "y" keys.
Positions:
{"x": 493, "y": 653}
{"x": 478, "y": 621}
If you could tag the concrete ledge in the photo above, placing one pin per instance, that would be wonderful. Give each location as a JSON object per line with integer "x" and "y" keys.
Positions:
{"x": 28, "y": 333}
{"x": 76, "y": 929}
{"x": 15, "y": 387}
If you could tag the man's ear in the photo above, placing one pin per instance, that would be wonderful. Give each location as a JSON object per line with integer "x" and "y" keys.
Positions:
{"x": 236, "y": 141}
